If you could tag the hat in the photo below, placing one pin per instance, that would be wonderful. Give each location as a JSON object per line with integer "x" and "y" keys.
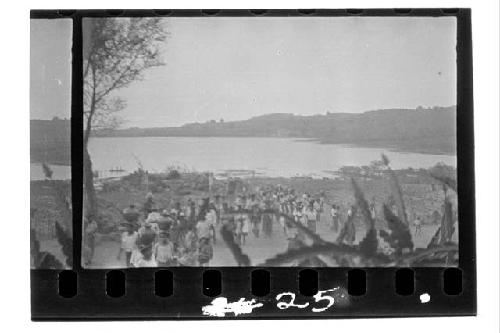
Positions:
{"x": 153, "y": 217}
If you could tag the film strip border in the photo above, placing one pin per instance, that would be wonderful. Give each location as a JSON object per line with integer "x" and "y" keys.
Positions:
{"x": 68, "y": 13}
{"x": 185, "y": 293}
{"x": 181, "y": 293}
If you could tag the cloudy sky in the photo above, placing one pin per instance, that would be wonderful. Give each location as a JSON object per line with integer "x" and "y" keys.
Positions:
{"x": 50, "y": 68}
{"x": 237, "y": 68}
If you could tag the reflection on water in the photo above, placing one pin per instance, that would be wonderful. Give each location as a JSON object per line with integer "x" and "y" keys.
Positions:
{"x": 242, "y": 156}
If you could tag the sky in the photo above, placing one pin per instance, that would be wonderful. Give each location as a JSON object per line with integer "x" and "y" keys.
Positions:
{"x": 238, "y": 68}
{"x": 50, "y": 68}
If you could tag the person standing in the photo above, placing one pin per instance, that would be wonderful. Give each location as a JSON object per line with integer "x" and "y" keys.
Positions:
{"x": 350, "y": 227}
{"x": 146, "y": 259}
{"x": 297, "y": 211}
{"x": 219, "y": 207}
{"x": 211, "y": 218}
{"x": 255, "y": 219}
{"x": 131, "y": 215}
{"x": 147, "y": 234}
{"x": 128, "y": 244}
{"x": 394, "y": 210}
{"x": 310, "y": 217}
{"x": 334, "y": 214}
{"x": 245, "y": 228}
{"x": 350, "y": 212}
{"x": 241, "y": 229}
{"x": 164, "y": 251}
{"x": 322, "y": 200}
{"x": 418, "y": 225}
{"x": 203, "y": 229}
{"x": 191, "y": 211}
{"x": 373, "y": 211}
{"x": 174, "y": 212}
{"x": 267, "y": 220}
{"x": 188, "y": 249}
{"x": 147, "y": 208}
{"x": 231, "y": 190}
{"x": 317, "y": 210}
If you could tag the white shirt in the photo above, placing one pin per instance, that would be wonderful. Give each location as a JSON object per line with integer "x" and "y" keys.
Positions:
{"x": 203, "y": 229}
{"x": 147, "y": 263}
{"x": 245, "y": 225}
{"x": 129, "y": 241}
{"x": 310, "y": 214}
{"x": 164, "y": 252}
{"x": 211, "y": 217}
{"x": 154, "y": 216}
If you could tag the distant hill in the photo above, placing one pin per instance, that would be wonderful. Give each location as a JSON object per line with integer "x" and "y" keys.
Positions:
{"x": 430, "y": 130}
{"x": 50, "y": 141}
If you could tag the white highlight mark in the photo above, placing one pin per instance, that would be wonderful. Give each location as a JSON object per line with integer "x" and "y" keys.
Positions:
{"x": 425, "y": 298}
{"x": 219, "y": 307}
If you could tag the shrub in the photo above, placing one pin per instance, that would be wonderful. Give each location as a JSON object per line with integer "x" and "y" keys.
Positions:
{"x": 173, "y": 174}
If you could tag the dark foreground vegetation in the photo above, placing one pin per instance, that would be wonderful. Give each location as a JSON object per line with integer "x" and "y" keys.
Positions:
{"x": 51, "y": 224}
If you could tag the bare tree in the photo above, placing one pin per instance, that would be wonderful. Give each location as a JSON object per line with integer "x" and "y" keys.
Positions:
{"x": 117, "y": 51}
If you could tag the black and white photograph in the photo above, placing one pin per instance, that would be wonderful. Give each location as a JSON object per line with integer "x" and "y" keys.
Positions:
{"x": 50, "y": 144}
{"x": 259, "y": 141}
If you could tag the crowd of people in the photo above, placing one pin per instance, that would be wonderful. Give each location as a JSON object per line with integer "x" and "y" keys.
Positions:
{"x": 184, "y": 233}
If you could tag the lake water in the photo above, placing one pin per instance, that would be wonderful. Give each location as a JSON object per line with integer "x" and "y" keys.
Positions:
{"x": 243, "y": 156}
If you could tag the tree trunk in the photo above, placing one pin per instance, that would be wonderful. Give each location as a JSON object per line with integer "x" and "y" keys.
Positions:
{"x": 88, "y": 175}
{"x": 88, "y": 184}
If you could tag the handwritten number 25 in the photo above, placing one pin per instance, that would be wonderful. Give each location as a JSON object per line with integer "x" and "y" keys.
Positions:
{"x": 319, "y": 297}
